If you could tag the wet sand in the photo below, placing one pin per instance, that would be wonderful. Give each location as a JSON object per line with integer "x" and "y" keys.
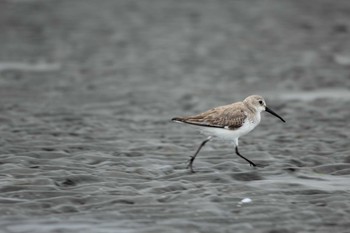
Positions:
{"x": 88, "y": 88}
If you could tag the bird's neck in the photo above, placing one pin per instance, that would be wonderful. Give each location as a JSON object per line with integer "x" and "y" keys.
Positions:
{"x": 255, "y": 116}
{"x": 250, "y": 108}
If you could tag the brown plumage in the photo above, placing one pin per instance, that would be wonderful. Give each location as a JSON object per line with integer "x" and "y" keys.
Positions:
{"x": 229, "y": 116}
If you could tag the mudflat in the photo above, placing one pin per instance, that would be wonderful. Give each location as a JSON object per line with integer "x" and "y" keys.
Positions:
{"x": 88, "y": 88}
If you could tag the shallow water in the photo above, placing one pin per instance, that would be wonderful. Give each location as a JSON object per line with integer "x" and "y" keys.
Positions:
{"x": 88, "y": 88}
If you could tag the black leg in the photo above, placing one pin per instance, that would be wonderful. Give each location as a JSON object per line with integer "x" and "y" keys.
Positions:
{"x": 195, "y": 154}
{"x": 250, "y": 162}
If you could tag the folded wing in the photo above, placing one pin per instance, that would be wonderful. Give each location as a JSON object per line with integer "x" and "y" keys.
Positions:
{"x": 220, "y": 117}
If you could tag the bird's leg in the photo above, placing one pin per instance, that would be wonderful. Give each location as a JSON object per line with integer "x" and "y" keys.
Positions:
{"x": 250, "y": 162}
{"x": 195, "y": 154}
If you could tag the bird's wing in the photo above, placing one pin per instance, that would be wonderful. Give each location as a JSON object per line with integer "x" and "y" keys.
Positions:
{"x": 227, "y": 117}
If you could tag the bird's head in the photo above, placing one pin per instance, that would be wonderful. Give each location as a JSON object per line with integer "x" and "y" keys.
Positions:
{"x": 258, "y": 103}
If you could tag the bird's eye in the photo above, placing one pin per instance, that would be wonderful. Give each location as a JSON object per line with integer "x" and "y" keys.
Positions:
{"x": 260, "y": 102}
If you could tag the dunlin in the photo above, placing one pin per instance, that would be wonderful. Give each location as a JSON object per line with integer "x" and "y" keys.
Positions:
{"x": 228, "y": 122}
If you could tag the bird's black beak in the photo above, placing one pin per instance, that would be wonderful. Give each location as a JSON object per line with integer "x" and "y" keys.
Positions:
{"x": 273, "y": 113}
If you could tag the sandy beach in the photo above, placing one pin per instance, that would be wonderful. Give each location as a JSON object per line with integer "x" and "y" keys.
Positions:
{"x": 88, "y": 88}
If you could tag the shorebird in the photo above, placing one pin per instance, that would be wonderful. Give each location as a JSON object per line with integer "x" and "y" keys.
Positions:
{"x": 228, "y": 122}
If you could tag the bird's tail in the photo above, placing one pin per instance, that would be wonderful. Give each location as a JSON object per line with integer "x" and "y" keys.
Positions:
{"x": 178, "y": 119}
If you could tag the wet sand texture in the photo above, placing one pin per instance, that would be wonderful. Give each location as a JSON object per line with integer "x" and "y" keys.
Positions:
{"x": 88, "y": 88}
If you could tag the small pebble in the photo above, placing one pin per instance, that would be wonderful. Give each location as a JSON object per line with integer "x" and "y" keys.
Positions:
{"x": 245, "y": 200}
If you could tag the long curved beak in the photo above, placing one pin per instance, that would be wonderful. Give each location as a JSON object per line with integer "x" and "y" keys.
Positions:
{"x": 273, "y": 113}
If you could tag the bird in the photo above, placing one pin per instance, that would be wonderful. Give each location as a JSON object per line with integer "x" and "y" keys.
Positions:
{"x": 228, "y": 122}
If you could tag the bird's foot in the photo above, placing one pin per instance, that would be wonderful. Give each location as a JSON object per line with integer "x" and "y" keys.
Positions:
{"x": 252, "y": 164}
{"x": 190, "y": 163}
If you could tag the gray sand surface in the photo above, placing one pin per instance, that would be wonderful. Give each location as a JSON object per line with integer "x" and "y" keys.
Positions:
{"x": 88, "y": 88}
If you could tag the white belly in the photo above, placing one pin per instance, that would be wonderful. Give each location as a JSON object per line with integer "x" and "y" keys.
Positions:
{"x": 226, "y": 134}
